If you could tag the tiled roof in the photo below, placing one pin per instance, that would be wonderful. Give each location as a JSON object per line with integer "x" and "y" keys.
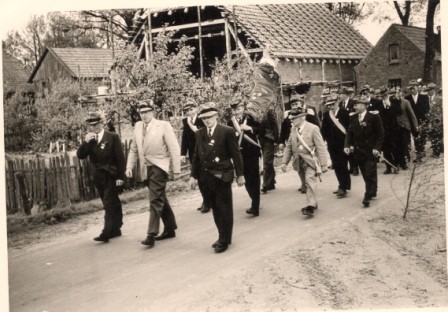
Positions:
{"x": 81, "y": 62}
{"x": 14, "y": 74}
{"x": 415, "y": 34}
{"x": 301, "y": 30}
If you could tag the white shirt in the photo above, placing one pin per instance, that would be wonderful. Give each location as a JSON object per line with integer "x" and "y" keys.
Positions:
{"x": 361, "y": 116}
{"x": 345, "y": 105}
{"x": 100, "y": 135}
{"x": 212, "y": 129}
{"x": 415, "y": 97}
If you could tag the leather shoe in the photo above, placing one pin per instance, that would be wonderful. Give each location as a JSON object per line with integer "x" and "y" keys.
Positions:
{"x": 302, "y": 189}
{"x": 366, "y": 201}
{"x": 337, "y": 191}
{"x": 115, "y": 233}
{"x": 388, "y": 171}
{"x": 220, "y": 247}
{"x": 355, "y": 172}
{"x": 308, "y": 210}
{"x": 341, "y": 193}
{"x": 253, "y": 212}
{"x": 205, "y": 209}
{"x": 166, "y": 235}
{"x": 202, "y": 207}
{"x": 101, "y": 238}
{"x": 149, "y": 241}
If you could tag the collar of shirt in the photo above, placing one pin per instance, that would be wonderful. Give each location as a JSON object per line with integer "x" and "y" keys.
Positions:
{"x": 301, "y": 128}
{"x": 193, "y": 119}
{"x": 100, "y": 135}
{"x": 346, "y": 104}
{"x": 212, "y": 129}
{"x": 415, "y": 97}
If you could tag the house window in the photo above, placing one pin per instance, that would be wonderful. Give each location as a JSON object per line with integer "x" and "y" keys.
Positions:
{"x": 394, "y": 53}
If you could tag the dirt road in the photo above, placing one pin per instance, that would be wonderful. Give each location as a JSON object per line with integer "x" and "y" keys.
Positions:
{"x": 346, "y": 257}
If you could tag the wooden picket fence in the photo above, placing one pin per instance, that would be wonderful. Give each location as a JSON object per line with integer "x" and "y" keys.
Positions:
{"x": 55, "y": 181}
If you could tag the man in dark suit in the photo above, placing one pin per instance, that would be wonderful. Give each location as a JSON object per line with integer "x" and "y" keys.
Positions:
{"x": 191, "y": 124}
{"x": 367, "y": 92}
{"x": 268, "y": 136}
{"x": 335, "y": 123}
{"x": 216, "y": 157}
{"x": 105, "y": 152}
{"x": 389, "y": 112}
{"x": 348, "y": 104}
{"x": 246, "y": 129}
{"x": 420, "y": 105}
{"x": 364, "y": 139}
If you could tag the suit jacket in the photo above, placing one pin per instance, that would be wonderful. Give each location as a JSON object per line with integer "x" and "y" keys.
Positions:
{"x": 269, "y": 128}
{"x": 158, "y": 146}
{"x": 375, "y": 105}
{"x": 215, "y": 155}
{"x": 389, "y": 115}
{"x": 285, "y": 129}
{"x": 105, "y": 155}
{"x": 406, "y": 119}
{"x": 330, "y": 132}
{"x": 350, "y": 107}
{"x": 421, "y": 108}
{"x": 188, "y": 137}
{"x": 367, "y": 135}
{"x": 312, "y": 137}
{"x": 248, "y": 149}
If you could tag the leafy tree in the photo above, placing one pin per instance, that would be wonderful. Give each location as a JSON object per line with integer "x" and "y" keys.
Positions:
{"x": 350, "y": 12}
{"x": 60, "y": 116}
{"x": 165, "y": 77}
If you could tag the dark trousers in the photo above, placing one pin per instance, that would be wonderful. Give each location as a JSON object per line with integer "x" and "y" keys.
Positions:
{"x": 390, "y": 147}
{"x": 339, "y": 161}
{"x": 404, "y": 142}
{"x": 204, "y": 202}
{"x": 268, "y": 148}
{"x": 353, "y": 164}
{"x": 219, "y": 195}
{"x": 108, "y": 191}
{"x": 159, "y": 207}
{"x": 367, "y": 165}
{"x": 252, "y": 178}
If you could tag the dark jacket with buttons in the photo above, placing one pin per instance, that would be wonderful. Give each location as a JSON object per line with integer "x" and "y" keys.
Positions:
{"x": 219, "y": 155}
{"x": 367, "y": 135}
{"x": 248, "y": 149}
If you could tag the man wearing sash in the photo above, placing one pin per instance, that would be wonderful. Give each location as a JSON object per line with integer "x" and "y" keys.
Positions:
{"x": 191, "y": 124}
{"x": 364, "y": 140}
{"x": 307, "y": 147}
{"x": 335, "y": 123}
{"x": 246, "y": 129}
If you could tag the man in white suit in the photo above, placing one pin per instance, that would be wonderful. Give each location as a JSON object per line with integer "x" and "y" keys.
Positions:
{"x": 307, "y": 147}
{"x": 155, "y": 146}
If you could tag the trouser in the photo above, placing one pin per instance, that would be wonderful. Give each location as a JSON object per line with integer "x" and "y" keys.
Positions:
{"x": 219, "y": 196}
{"x": 252, "y": 178}
{"x": 310, "y": 182}
{"x": 108, "y": 191}
{"x": 353, "y": 163}
{"x": 390, "y": 147}
{"x": 339, "y": 161}
{"x": 404, "y": 142}
{"x": 159, "y": 207}
{"x": 367, "y": 165}
{"x": 268, "y": 147}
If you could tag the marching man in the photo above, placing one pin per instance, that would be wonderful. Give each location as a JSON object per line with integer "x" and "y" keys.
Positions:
{"x": 308, "y": 148}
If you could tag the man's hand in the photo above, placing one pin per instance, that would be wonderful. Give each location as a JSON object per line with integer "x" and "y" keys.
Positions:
{"x": 375, "y": 152}
{"x": 324, "y": 169}
{"x": 347, "y": 150}
{"x": 283, "y": 167}
{"x": 129, "y": 173}
{"x": 119, "y": 182}
{"x": 182, "y": 159}
{"x": 89, "y": 137}
{"x": 176, "y": 176}
{"x": 240, "y": 180}
{"x": 193, "y": 183}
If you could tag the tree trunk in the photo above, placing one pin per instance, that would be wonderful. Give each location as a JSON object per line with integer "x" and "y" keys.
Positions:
{"x": 430, "y": 42}
{"x": 404, "y": 17}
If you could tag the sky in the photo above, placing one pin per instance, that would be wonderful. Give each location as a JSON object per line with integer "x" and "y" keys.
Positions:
{"x": 14, "y": 14}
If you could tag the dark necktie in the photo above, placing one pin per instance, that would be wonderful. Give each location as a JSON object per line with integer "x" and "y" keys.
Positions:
{"x": 209, "y": 133}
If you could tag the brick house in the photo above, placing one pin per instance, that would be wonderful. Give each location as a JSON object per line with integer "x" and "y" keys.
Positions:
{"x": 70, "y": 63}
{"x": 309, "y": 43}
{"x": 397, "y": 58}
